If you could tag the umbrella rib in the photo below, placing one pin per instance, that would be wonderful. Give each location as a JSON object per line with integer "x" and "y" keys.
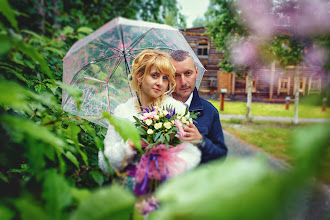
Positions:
{"x": 114, "y": 70}
{"x": 140, "y": 38}
{"x": 109, "y": 45}
{"x": 95, "y": 61}
{"x": 127, "y": 64}
{"x": 168, "y": 48}
{"x": 126, "y": 61}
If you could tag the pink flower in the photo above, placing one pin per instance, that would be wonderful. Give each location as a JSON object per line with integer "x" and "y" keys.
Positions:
{"x": 180, "y": 127}
{"x": 258, "y": 17}
{"x": 316, "y": 56}
{"x": 146, "y": 206}
{"x": 244, "y": 53}
{"x": 148, "y": 115}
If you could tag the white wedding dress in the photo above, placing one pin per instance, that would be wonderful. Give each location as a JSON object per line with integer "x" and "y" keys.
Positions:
{"x": 120, "y": 154}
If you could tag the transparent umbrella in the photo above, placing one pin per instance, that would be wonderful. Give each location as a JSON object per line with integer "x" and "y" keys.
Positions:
{"x": 100, "y": 63}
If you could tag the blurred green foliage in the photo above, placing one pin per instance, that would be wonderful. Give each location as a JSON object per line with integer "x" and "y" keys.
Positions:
{"x": 48, "y": 158}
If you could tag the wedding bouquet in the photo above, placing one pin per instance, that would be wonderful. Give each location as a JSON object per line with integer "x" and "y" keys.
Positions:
{"x": 162, "y": 125}
{"x": 160, "y": 129}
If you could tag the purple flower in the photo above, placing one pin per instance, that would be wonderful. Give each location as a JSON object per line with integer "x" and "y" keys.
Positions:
{"x": 145, "y": 110}
{"x": 170, "y": 111}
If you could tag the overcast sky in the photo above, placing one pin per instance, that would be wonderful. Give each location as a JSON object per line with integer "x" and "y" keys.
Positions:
{"x": 193, "y": 9}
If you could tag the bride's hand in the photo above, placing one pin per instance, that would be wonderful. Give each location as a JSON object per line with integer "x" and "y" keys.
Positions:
{"x": 131, "y": 144}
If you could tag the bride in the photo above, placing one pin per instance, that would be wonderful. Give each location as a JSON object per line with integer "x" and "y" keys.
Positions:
{"x": 153, "y": 79}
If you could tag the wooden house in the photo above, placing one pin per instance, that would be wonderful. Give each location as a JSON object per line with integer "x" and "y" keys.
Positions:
{"x": 270, "y": 84}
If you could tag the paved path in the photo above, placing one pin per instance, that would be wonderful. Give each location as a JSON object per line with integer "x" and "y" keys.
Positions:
{"x": 312, "y": 204}
{"x": 272, "y": 118}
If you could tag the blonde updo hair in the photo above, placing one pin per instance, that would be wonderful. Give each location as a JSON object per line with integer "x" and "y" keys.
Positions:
{"x": 142, "y": 65}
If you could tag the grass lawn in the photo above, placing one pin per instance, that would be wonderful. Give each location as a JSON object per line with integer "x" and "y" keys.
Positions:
{"x": 271, "y": 109}
{"x": 272, "y": 137}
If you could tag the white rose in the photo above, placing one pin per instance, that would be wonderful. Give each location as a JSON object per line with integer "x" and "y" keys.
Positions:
{"x": 148, "y": 121}
{"x": 167, "y": 125}
{"x": 184, "y": 120}
{"x": 190, "y": 120}
{"x": 157, "y": 117}
{"x": 150, "y": 131}
{"x": 165, "y": 112}
{"x": 158, "y": 125}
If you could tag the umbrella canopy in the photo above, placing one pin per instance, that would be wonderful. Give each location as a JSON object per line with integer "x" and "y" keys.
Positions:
{"x": 100, "y": 63}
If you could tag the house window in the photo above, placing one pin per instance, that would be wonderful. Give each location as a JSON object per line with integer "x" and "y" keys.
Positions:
{"x": 254, "y": 84}
{"x": 283, "y": 85}
{"x": 302, "y": 85}
{"x": 314, "y": 85}
{"x": 203, "y": 48}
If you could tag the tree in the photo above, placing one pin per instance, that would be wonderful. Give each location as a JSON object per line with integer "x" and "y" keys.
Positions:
{"x": 199, "y": 21}
{"x": 288, "y": 51}
{"x": 45, "y": 16}
{"x": 231, "y": 36}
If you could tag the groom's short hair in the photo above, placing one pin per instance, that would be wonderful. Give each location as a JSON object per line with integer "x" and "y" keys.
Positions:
{"x": 181, "y": 55}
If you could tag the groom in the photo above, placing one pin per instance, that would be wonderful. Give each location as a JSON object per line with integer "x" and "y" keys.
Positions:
{"x": 207, "y": 128}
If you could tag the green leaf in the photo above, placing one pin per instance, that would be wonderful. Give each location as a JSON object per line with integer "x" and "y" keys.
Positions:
{"x": 308, "y": 148}
{"x": 97, "y": 177}
{"x": 88, "y": 129}
{"x": 35, "y": 56}
{"x": 80, "y": 194}
{"x": 99, "y": 143}
{"x": 17, "y": 74}
{"x": 260, "y": 189}
{"x": 17, "y": 97}
{"x": 72, "y": 133}
{"x": 106, "y": 203}
{"x": 40, "y": 88}
{"x": 57, "y": 193}
{"x": 72, "y": 158}
{"x": 35, "y": 35}
{"x": 5, "y": 44}
{"x": 6, "y": 213}
{"x": 9, "y": 13}
{"x": 13, "y": 95}
{"x": 4, "y": 178}
{"x": 52, "y": 87}
{"x": 85, "y": 30}
{"x": 30, "y": 210}
{"x": 167, "y": 137}
{"x": 33, "y": 130}
{"x": 157, "y": 136}
{"x": 68, "y": 30}
{"x": 73, "y": 91}
{"x": 125, "y": 129}
{"x": 83, "y": 155}
{"x": 161, "y": 138}
{"x": 55, "y": 50}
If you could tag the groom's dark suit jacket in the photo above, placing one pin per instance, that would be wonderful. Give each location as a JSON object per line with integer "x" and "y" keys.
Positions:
{"x": 208, "y": 124}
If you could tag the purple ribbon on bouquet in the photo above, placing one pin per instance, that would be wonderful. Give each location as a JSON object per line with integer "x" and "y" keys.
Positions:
{"x": 141, "y": 188}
